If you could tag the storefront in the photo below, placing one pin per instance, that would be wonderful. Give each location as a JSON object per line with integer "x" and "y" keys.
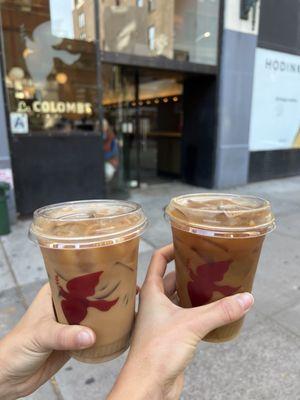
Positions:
{"x": 99, "y": 94}
{"x": 274, "y": 138}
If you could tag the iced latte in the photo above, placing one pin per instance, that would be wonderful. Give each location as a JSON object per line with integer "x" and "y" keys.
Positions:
{"x": 90, "y": 249}
{"x": 217, "y": 240}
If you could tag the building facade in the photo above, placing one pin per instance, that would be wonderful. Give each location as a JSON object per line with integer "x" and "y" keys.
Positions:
{"x": 99, "y": 96}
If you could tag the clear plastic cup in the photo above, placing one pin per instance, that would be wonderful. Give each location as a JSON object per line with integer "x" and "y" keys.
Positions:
{"x": 90, "y": 250}
{"x": 218, "y": 239}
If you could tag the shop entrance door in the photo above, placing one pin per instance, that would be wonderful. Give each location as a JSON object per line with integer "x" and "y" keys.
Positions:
{"x": 143, "y": 110}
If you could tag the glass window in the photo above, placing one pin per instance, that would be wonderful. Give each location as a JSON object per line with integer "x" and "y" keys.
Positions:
{"x": 83, "y": 13}
{"x": 151, "y": 37}
{"x": 151, "y": 5}
{"x": 81, "y": 20}
{"x": 185, "y": 30}
{"x": 196, "y": 31}
{"x": 50, "y": 77}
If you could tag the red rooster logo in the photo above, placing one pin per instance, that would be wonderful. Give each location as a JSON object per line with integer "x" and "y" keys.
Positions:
{"x": 203, "y": 282}
{"x": 75, "y": 301}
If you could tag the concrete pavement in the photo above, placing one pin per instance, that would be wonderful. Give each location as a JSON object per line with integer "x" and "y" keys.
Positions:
{"x": 262, "y": 364}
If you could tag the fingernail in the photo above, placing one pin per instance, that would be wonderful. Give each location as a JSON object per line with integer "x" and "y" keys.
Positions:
{"x": 84, "y": 339}
{"x": 246, "y": 300}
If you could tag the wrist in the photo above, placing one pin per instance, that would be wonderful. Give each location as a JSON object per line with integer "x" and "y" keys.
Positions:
{"x": 8, "y": 390}
{"x": 136, "y": 382}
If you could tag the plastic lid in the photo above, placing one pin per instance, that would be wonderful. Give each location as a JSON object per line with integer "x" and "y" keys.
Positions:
{"x": 222, "y": 212}
{"x": 87, "y": 223}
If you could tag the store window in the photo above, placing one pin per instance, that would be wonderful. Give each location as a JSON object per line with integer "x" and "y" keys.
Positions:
{"x": 185, "y": 30}
{"x": 50, "y": 76}
{"x": 142, "y": 125}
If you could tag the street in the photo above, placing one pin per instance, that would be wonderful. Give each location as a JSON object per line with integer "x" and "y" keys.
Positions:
{"x": 262, "y": 364}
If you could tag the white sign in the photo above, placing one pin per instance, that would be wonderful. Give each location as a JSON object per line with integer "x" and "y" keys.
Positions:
{"x": 275, "y": 114}
{"x": 18, "y": 122}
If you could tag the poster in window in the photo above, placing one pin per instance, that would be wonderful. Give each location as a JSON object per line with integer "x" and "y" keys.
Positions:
{"x": 275, "y": 114}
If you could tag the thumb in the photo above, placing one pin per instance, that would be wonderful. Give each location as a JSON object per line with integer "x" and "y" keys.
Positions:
{"x": 55, "y": 336}
{"x": 222, "y": 312}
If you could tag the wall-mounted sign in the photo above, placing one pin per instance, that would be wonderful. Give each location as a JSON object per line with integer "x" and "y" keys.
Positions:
{"x": 275, "y": 115}
{"x": 55, "y": 107}
{"x": 18, "y": 122}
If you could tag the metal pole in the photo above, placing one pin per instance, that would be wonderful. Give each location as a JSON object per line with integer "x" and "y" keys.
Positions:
{"x": 218, "y": 78}
{"x": 137, "y": 127}
{"x": 6, "y": 104}
{"x": 100, "y": 112}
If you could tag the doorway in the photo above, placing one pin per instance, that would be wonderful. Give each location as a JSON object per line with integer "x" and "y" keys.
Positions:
{"x": 143, "y": 108}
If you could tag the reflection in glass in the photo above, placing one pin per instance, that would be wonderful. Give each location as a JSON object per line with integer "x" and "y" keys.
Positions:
{"x": 111, "y": 151}
{"x": 184, "y": 30}
{"x": 196, "y": 31}
{"x": 40, "y": 54}
{"x": 144, "y": 111}
{"x": 61, "y": 18}
{"x": 48, "y": 77}
{"x": 84, "y": 20}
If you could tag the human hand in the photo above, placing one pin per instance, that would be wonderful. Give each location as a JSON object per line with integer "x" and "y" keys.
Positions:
{"x": 37, "y": 348}
{"x": 166, "y": 336}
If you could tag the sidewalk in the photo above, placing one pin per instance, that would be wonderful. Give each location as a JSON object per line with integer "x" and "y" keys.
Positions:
{"x": 262, "y": 364}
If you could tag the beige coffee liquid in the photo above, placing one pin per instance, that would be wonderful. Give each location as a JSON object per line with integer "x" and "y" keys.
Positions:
{"x": 90, "y": 252}
{"x": 217, "y": 240}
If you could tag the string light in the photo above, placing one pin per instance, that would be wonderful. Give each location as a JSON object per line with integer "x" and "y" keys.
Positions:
{"x": 175, "y": 98}
{"x": 165, "y": 100}
{"x": 27, "y": 52}
{"x": 156, "y": 101}
{"x": 61, "y": 78}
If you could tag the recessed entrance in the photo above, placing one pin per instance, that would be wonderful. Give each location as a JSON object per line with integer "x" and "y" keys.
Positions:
{"x": 143, "y": 111}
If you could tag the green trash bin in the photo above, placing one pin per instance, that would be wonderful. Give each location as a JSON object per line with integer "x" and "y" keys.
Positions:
{"x": 4, "y": 217}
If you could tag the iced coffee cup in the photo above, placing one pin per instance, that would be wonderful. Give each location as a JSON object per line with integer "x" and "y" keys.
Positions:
{"x": 217, "y": 240}
{"x": 90, "y": 249}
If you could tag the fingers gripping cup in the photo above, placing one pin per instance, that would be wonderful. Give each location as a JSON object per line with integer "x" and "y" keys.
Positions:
{"x": 218, "y": 240}
{"x": 90, "y": 249}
